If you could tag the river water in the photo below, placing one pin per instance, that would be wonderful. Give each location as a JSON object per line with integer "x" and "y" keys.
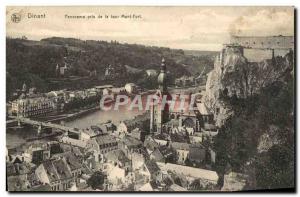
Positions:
{"x": 16, "y": 138}
{"x": 100, "y": 116}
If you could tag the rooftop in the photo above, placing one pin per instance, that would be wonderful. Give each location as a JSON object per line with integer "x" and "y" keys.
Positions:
{"x": 104, "y": 86}
{"x": 152, "y": 166}
{"x": 117, "y": 156}
{"x": 57, "y": 169}
{"x": 150, "y": 144}
{"x": 175, "y": 187}
{"x": 197, "y": 153}
{"x": 105, "y": 139}
{"x": 189, "y": 171}
{"x": 131, "y": 141}
{"x": 180, "y": 146}
{"x": 71, "y": 160}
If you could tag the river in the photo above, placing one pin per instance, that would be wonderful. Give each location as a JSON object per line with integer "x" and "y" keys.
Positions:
{"x": 16, "y": 138}
{"x": 100, "y": 116}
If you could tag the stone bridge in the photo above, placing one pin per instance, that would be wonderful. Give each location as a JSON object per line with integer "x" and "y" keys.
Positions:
{"x": 40, "y": 124}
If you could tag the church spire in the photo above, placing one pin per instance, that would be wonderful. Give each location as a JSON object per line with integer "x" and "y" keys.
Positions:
{"x": 162, "y": 77}
{"x": 163, "y": 66}
{"x": 159, "y": 112}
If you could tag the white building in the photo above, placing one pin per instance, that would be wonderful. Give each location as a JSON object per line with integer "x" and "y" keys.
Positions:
{"x": 28, "y": 107}
{"x": 191, "y": 173}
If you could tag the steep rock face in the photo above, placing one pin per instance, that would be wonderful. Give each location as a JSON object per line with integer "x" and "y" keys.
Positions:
{"x": 223, "y": 78}
{"x": 234, "y": 76}
{"x": 253, "y": 106}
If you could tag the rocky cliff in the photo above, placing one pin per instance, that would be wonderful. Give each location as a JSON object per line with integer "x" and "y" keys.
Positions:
{"x": 253, "y": 105}
{"x": 234, "y": 76}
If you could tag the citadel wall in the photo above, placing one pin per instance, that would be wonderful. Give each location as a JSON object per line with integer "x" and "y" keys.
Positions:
{"x": 267, "y": 42}
{"x": 257, "y": 49}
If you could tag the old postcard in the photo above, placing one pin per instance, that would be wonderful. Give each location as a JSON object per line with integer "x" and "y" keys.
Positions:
{"x": 150, "y": 99}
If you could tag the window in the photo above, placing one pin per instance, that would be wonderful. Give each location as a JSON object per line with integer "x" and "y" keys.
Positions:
{"x": 218, "y": 110}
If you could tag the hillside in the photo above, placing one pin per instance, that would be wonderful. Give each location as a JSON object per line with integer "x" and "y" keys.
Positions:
{"x": 34, "y": 62}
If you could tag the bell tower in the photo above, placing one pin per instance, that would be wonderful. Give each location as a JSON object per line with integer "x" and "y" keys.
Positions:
{"x": 162, "y": 77}
{"x": 160, "y": 112}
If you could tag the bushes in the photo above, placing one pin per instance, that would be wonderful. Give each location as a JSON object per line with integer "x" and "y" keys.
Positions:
{"x": 237, "y": 141}
{"x": 96, "y": 181}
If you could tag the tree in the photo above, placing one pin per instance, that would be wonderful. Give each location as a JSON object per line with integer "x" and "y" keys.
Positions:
{"x": 238, "y": 139}
{"x": 275, "y": 168}
{"x": 96, "y": 181}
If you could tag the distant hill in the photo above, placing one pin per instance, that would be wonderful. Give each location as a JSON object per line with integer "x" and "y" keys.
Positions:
{"x": 197, "y": 61}
{"x": 200, "y": 53}
{"x": 34, "y": 62}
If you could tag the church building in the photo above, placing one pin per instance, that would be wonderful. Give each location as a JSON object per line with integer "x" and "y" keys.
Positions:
{"x": 159, "y": 113}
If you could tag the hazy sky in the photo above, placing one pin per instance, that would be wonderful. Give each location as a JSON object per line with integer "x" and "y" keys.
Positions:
{"x": 197, "y": 28}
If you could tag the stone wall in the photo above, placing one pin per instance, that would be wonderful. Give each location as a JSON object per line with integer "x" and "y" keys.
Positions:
{"x": 281, "y": 52}
{"x": 258, "y": 55}
{"x": 266, "y": 42}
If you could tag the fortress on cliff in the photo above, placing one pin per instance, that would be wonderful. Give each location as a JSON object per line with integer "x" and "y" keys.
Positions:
{"x": 259, "y": 48}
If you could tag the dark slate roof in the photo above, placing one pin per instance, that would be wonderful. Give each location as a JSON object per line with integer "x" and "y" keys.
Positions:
{"x": 150, "y": 144}
{"x": 131, "y": 141}
{"x": 62, "y": 169}
{"x": 117, "y": 156}
{"x": 168, "y": 181}
{"x": 72, "y": 161}
{"x": 158, "y": 156}
{"x": 57, "y": 169}
{"x": 51, "y": 171}
{"x": 197, "y": 153}
{"x": 86, "y": 169}
{"x": 105, "y": 139}
{"x": 161, "y": 136}
{"x": 165, "y": 151}
{"x": 18, "y": 168}
{"x": 179, "y": 137}
{"x": 180, "y": 146}
{"x": 152, "y": 166}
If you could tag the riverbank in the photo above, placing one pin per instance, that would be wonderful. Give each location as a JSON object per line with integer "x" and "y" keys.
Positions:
{"x": 82, "y": 112}
{"x": 70, "y": 116}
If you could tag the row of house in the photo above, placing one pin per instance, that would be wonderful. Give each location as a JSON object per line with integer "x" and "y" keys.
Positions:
{"x": 52, "y": 167}
{"x": 30, "y": 107}
{"x": 157, "y": 164}
{"x": 33, "y": 105}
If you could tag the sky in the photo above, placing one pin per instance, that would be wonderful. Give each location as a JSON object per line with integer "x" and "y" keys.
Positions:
{"x": 189, "y": 28}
